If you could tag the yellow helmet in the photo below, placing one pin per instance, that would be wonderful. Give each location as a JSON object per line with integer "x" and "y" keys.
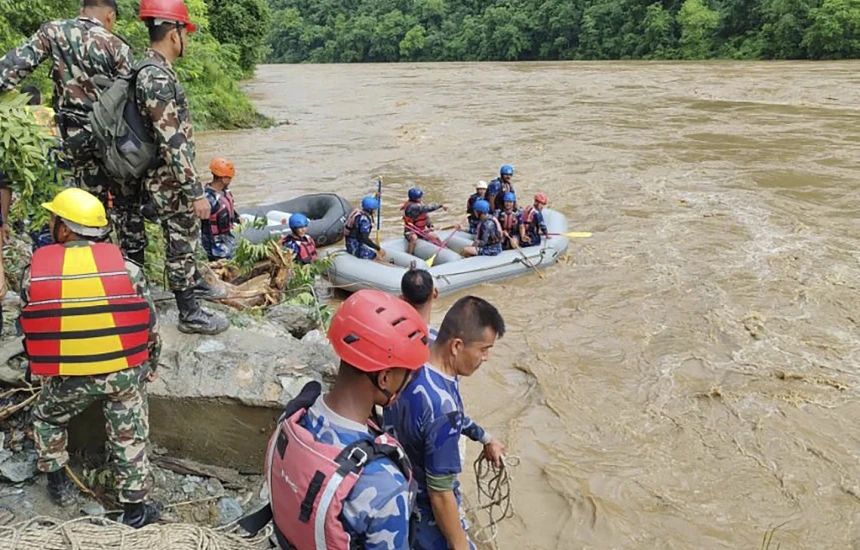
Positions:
{"x": 81, "y": 211}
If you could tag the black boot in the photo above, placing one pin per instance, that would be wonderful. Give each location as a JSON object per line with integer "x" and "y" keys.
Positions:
{"x": 138, "y": 514}
{"x": 195, "y": 320}
{"x": 138, "y": 257}
{"x": 204, "y": 290}
{"x": 61, "y": 489}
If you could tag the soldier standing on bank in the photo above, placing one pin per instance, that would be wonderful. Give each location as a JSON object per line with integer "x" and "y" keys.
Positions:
{"x": 86, "y": 58}
{"x": 174, "y": 186}
{"x": 90, "y": 328}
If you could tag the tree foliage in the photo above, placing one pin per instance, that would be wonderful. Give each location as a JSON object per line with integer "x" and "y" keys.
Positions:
{"x": 323, "y": 31}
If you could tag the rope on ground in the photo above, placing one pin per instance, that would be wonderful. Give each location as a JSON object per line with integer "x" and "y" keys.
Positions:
{"x": 92, "y": 533}
{"x": 494, "y": 496}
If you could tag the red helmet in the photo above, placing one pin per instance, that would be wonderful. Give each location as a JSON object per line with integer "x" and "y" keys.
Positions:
{"x": 222, "y": 168}
{"x": 374, "y": 331}
{"x": 541, "y": 198}
{"x": 171, "y": 10}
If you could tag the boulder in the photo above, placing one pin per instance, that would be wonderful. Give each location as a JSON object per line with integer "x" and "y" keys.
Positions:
{"x": 216, "y": 398}
{"x": 297, "y": 320}
{"x": 17, "y": 467}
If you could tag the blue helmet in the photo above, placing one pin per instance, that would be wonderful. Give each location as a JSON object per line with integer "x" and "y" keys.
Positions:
{"x": 507, "y": 170}
{"x": 509, "y": 197}
{"x": 482, "y": 207}
{"x": 369, "y": 203}
{"x": 298, "y": 220}
{"x": 415, "y": 194}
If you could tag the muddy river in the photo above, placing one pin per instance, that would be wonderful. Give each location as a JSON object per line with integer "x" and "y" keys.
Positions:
{"x": 687, "y": 378}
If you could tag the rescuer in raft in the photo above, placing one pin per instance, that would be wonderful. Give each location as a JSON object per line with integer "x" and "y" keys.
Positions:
{"x": 90, "y": 329}
{"x": 327, "y": 460}
{"x": 479, "y": 195}
{"x": 499, "y": 186}
{"x": 357, "y": 229}
{"x": 488, "y": 238}
{"x": 303, "y": 246}
{"x": 509, "y": 219}
{"x": 216, "y": 233}
{"x": 416, "y": 222}
{"x": 533, "y": 225}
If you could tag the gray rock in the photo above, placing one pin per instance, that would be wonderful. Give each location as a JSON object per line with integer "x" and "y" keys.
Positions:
{"x": 93, "y": 509}
{"x": 315, "y": 337}
{"x": 210, "y": 346}
{"x": 298, "y": 320}
{"x": 214, "y": 487}
{"x": 189, "y": 487}
{"x": 229, "y": 510}
{"x": 17, "y": 467}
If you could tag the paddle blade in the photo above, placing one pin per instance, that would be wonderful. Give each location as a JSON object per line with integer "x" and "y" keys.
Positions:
{"x": 430, "y": 260}
{"x": 574, "y": 234}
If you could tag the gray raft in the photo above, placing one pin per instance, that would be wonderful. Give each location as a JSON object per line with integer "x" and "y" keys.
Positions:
{"x": 327, "y": 213}
{"x": 451, "y": 272}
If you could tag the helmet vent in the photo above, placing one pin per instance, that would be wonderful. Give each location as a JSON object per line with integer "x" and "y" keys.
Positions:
{"x": 350, "y": 338}
{"x": 398, "y": 321}
{"x": 380, "y": 310}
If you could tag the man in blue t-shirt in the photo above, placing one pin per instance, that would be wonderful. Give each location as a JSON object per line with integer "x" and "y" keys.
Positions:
{"x": 429, "y": 418}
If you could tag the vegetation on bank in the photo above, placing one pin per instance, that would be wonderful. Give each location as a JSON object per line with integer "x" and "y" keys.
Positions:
{"x": 229, "y": 44}
{"x": 323, "y": 31}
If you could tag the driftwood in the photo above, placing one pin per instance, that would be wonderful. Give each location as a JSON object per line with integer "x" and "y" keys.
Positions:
{"x": 230, "y": 478}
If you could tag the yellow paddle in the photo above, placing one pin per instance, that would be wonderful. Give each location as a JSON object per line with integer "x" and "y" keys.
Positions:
{"x": 432, "y": 258}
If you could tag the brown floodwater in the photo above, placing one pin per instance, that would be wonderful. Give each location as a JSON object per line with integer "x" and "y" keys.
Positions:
{"x": 688, "y": 377}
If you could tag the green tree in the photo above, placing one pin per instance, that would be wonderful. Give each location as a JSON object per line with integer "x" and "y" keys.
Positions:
{"x": 412, "y": 43}
{"x": 835, "y": 30}
{"x": 698, "y": 25}
{"x": 245, "y": 24}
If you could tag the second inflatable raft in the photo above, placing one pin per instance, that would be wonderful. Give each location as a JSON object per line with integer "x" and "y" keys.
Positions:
{"x": 451, "y": 272}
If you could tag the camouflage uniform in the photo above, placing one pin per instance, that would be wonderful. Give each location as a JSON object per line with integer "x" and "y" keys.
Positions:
{"x": 174, "y": 185}
{"x": 84, "y": 56}
{"x": 125, "y": 408}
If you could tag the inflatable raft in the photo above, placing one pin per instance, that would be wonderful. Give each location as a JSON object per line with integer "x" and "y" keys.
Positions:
{"x": 327, "y": 213}
{"x": 451, "y": 272}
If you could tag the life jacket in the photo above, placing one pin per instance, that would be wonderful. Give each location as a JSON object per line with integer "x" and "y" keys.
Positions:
{"x": 470, "y": 205}
{"x": 223, "y": 200}
{"x": 83, "y": 316}
{"x": 308, "y": 480}
{"x": 529, "y": 218}
{"x": 420, "y": 222}
{"x": 510, "y": 221}
{"x": 307, "y": 248}
{"x": 493, "y": 239}
{"x": 350, "y": 228}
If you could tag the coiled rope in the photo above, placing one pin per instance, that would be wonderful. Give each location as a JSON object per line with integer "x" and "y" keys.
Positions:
{"x": 494, "y": 496}
{"x": 94, "y": 533}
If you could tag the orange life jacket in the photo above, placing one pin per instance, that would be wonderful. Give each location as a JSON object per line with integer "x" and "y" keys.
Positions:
{"x": 307, "y": 248}
{"x": 83, "y": 315}
{"x": 510, "y": 220}
{"x": 420, "y": 222}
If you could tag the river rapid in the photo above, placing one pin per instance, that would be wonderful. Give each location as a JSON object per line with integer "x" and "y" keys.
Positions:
{"x": 688, "y": 377}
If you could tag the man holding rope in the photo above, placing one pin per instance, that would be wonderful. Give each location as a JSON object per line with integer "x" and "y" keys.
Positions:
{"x": 429, "y": 418}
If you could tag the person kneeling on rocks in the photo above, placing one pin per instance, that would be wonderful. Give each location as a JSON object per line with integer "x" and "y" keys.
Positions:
{"x": 90, "y": 328}
{"x": 334, "y": 477}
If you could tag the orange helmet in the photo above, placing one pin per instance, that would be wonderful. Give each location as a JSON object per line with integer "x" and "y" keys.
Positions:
{"x": 222, "y": 168}
{"x": 541, "y": 198}
{"x": 373, "y": 331}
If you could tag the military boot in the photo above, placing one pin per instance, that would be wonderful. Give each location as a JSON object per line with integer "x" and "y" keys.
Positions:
{"x": 61, "y": 489}
{"x": 203, "y": 289}
{"x": 138, "y": 514}
{"x": 195, "y": 320}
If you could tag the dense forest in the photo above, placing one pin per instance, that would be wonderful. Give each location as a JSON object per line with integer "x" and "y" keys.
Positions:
{"x": 232, "y": 40}
{"x": 323, "y": 31}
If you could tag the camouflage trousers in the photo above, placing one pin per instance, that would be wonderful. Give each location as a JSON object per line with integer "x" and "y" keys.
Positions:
{"x": 127, "y": 422}
{"x": 181, "y": 236}
{"x": 90, "y": 176}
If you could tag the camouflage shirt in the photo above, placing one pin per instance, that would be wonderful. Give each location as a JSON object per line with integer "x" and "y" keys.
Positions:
{"x": 164, "y": 107}
{"x": 80, "y": 49}
{"x": 138, "y": 281}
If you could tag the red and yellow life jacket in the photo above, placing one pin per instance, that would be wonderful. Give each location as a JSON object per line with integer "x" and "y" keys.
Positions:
{"x": 83, "y": 315}
{"x": 420, "y": 222}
